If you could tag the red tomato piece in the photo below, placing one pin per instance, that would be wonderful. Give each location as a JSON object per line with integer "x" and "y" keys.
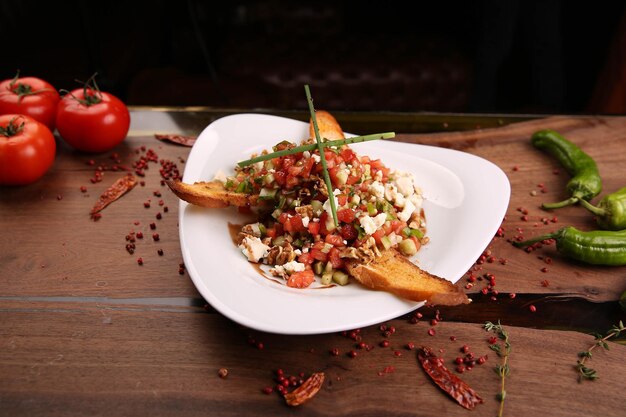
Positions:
{"x": 282, "y": 219}
{"x": 314, "y": 228}
{"x": 334, "y": 240}
{"x": 291, "y": 181}
{"x": 30, "y": 96}
{"x": 378, "y": 235}
{"x": 280, "y": 177}
{"x": 335, "y": 260}
{"x": 318, "y": 255}
{"x": 346, "y": 215}
{"x": 301, "y": 279}
{"x": 306, "y": 258}
{"x": 296, "y": 223}
{"x": 27, "y": 149}
{"x": 308, "y": 165}
{"x": 349, "y": 232}
{"x": 347, "y": 154}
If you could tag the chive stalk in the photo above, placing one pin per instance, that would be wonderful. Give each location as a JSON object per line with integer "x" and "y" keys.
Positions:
{"x": 320, "y": 147}
{"x": 312, "y": 147}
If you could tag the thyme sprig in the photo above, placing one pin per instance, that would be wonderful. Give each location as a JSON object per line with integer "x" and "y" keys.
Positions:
{"x": 502, "y": 350}
{"x": 584, "y": 372}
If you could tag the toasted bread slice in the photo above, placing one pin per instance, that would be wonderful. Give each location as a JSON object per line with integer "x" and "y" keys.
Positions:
{"x": 327, "y": 125}
{"x": 394, "y": 273}
{"x": 211, "y": 194}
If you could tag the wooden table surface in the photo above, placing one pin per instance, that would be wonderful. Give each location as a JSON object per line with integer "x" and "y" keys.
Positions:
{"x": 85, "y": 330}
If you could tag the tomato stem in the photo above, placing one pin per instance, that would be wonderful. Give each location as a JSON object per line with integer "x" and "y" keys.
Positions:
{"x": 12, "y": 128}
{"x": 23, "y": 90}
{"x": 91, "y": 92}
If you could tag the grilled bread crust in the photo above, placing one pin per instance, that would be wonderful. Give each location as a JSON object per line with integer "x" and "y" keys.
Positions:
{"x": 211, "y": 194}
{"x": 394, "y": 273}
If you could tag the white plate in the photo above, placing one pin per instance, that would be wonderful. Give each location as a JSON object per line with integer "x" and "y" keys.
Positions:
{"x": 466, "y": 198}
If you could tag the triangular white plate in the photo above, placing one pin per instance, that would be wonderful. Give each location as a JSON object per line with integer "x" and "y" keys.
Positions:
{"x": 466, "y": 198}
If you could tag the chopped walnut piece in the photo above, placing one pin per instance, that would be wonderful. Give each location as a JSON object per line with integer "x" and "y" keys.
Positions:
{"x": 252, "y": 229}
{"x": 306, "y": 391}
{"x": 305, "y": 211}
{"x": 280, "y": 255}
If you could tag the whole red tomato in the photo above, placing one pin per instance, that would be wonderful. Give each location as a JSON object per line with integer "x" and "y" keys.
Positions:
{"x": 27, "y": 149}
{"x": 91, "y": 120}
{"x": 30, "y": 96}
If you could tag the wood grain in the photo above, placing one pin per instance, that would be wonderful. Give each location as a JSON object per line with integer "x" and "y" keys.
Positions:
{"x": 76, "y": 359}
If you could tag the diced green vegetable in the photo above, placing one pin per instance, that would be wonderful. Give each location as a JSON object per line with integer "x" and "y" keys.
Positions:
{"x": 262, "y": 229}
{"x": 268, "y": 179}
{"x": 267, "y": 193}
{"x": 386, "y": 241}
{"x": 298, "y": 243}
{"x": 327, "y": 278}
{"x": 276, "y": 213}
{"x": 342, "y": 177}
{"x": 407, "y": 247}
{"x": 281, "y": 202}
{"x": 318, "y": 267}
{"x": 317, "y": 207}
{"x": 278, "y": 241}
{"x": 371, "y": 209}
{"x": 327, "y": 247}
{"x": 244, "y": 187}
{"x": 340, "y": 277}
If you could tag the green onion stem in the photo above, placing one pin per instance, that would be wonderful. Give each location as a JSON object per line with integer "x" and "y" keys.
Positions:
{"x": 313, "y": 146}
{"x": 320, "y": 147}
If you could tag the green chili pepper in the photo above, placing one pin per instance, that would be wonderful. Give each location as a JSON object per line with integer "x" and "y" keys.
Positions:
{"x": 598, "y": 247}
{"x": 611, "y": 211}
{"x": 585, "y": 182}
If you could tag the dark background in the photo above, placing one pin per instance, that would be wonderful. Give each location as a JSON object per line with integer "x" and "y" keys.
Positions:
{"x": 475, "y": 56}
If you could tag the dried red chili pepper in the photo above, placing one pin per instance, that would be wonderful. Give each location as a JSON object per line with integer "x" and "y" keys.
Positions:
{"x": 115, "y": 191}
{"x": 306, "y": 391}
{"x": 178, "y": 139}
{"x": 446, "y": 380}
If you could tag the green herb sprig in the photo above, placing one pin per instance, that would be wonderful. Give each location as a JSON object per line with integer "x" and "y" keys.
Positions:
{"x": 313, "y": 146}
{"x": 586, "y": 373}
{"x": 502, "y": 350}
{"x": 320, "y": 147}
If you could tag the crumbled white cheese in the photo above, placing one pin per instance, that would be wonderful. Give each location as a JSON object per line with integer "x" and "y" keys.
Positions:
{"x": 379, "y": 220}
{"x": 316, "y": 158}
{"x": 406, "y": 212}
{"x": 326, "y": 205}
{"x": 379, "y": 175}
{"x": 377, "y": 189}
{"x": 390, "y": 192}
{"x": 220, "y": 176}
{"x": 417, "y": 200}
{"x": 306, "y": 154}
{"x": 404, "y": 182}
{"x": 368, "y": 225}
{"x": 258, "y": 166}
{"x": 253, "y": 248}
{"x": 305, "y": 221}
{"x": 399, "y": 200}
{"x": 290, "y": 267}
{"x": 297, "y": 251}
{"x": 372, "y": 224}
